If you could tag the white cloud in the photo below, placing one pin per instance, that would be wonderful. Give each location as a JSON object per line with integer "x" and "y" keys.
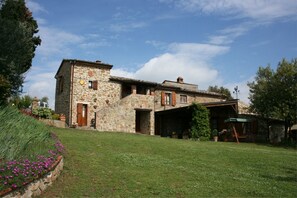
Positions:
{"x": 189, "y": 60}
{"x": 95, "y": 44}
{"x": 40, "y": 21}
{"x": 40, "y": 85}
{"x": 255, "y": 9}
{"x": 170, "y": 66}
{"x": 254, "y": 12}
{"x": 197, "y": 51}
{"x": 122, "y": 73}
{"x": 156, "y": 44}
{"x": 220, "y": 40}
{"x": 126, "y": 27}
{"x": 34, "y": 7}
{"x": 261, "y": 43}
{"x": 229, "y": 34}
{"x": 56, "y": 41}
{"x": 94, "y": 40}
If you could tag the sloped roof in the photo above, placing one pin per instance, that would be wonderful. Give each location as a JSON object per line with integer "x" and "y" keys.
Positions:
{"x": 131, "y": 80}
{"x": 163, "y": 86}
{"x": 97, "y": 63}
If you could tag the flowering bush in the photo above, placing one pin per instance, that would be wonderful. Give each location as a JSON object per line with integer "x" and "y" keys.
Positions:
{"x": 16, "y": 173}
{"x": 42, "y": 112}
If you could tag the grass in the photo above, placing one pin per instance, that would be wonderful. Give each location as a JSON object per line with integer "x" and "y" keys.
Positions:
{"x": 22, "y": 136}
{"x": 127, "y": 165}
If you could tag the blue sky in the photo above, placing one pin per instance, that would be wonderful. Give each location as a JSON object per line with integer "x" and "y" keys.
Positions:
{"x": 215, "y": 42}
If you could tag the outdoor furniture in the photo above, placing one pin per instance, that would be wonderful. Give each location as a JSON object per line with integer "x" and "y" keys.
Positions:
{"x": 232, "y": 121}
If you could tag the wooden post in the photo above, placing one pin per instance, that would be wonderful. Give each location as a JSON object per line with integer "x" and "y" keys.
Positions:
{"x": 235, "y": 133}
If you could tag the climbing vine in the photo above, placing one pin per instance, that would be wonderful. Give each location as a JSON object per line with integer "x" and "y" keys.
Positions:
{"x": 200, "y": 129}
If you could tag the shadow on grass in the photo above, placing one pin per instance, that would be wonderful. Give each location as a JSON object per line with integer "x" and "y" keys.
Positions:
{"x": 290, "y": 145}
{"x": 291, "y": 175}
{"x": 281, "y": 178}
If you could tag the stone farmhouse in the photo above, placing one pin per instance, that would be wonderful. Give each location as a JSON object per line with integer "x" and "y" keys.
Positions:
{"x": 87, "y": 94}
{"x": 91, "y": 98}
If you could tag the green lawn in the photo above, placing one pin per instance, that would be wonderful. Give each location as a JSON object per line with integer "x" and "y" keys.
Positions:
{"x": 127, "y": 165}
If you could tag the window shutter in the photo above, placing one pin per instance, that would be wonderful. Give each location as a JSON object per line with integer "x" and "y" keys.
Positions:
{"x": 95, "y": 85}
{"x": 163, "y": 98}
{"x": 173, "y": 98}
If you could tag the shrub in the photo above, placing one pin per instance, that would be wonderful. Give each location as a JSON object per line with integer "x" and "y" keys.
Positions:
{"x": 200, "y": 122}
{"x": 214, "y": 133}
{"x": 55, "y": 116}
{"x": 42, "y": 112}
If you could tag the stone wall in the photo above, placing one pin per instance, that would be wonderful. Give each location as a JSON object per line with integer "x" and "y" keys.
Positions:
{"x": 107, "y": 93}
{"x": 62, "y": 99}
{"x": 121, "y": 116}
{"x": 38, "y": 186}
{"x": 55, "y": 123}
{"x": 191, "y": 97}
{"x": 206, "y": 99}
{"x": 187, "y": 86}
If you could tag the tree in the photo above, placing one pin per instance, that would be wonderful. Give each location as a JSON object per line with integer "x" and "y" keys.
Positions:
{"x": 44, "y": 101}
{"x": 273, "y": 94}
{"x": 200, "y": 122}
{"x": 21, "y": 102}
{"x": 285, "y": 81}
{"x": 4, "y": 89}
{"x": 17, "y": 45}
{"x": 220, "y": 90}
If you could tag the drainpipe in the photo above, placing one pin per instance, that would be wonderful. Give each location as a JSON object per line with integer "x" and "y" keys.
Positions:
{"x": 71, "y": 91}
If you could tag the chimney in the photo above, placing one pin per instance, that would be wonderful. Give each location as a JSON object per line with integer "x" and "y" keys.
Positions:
{"x": 98, "y": 61}
{"x": 180, "y": 80}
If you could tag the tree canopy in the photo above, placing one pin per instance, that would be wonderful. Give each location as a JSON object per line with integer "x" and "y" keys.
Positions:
{"x": 17, "y": 45}
{"x": 21, "y": 102}
{"x": 220, "y": 90}
{"x": 273, "y": 94}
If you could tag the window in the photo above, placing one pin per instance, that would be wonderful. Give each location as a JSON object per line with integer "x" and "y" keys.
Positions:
{"x": 183, "y": 99}
{"x": 90, "y": 84}
{"x": 93, "y": 84}
{"x": 168, "y": 99}
{"x": 61, "y": 84}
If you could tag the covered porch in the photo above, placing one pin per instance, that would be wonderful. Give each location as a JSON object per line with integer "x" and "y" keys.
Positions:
{"x": 176, "y": 122}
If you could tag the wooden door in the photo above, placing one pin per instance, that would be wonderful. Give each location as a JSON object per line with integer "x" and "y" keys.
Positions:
{"x": 82, "y": 114}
